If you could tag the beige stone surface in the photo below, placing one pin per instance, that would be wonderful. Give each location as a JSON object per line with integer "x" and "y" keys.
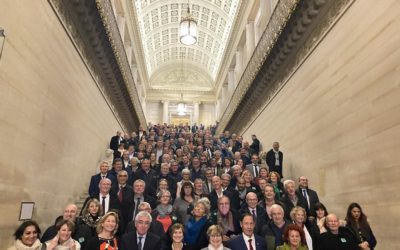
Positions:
{"x": 54, "y": 122}
{"x": 338, "y": 117}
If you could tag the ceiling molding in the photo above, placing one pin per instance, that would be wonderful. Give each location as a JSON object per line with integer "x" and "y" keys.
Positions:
{"x": 295, "y": 29}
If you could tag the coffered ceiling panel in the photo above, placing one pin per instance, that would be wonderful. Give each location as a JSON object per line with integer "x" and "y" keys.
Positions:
{"x": 159, "y": 27}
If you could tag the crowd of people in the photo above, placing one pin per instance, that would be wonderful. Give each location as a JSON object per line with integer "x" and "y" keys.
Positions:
{"x": 186, "y": 187}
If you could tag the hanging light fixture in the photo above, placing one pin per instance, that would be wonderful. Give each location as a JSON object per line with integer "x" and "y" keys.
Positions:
{"x": 182, "y": 107}
{"x": 188, "y": 26}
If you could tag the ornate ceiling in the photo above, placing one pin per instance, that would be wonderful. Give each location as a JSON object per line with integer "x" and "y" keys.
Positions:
{"x": 171, "y": 65}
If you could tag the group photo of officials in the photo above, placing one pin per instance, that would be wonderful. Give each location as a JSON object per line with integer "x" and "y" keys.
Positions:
{"x": 170, "y": 187}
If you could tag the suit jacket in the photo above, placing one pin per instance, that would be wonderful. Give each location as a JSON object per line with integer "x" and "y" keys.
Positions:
{"x": 213, "y": 197}
{"x": 148, "y": 199}
{"x": 239, "y": 244}
{"x": 312, "y": 197}
{"x": 129, "y": 242}
{"x": 289, "y": 204}
{"x": 125, "y": 204}
{"x": 262, "y": 218}
{"x": 114, "y": 142}
{"x": 250, "y": 168}
{"x": 95, "y": 180}
{"x": 147, "y": 178}
{"x": 270, "y": 159}
{"x": 113, "y": 201}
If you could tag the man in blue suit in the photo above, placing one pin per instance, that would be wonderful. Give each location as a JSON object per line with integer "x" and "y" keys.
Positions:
{"x": 95, "y": 180}
{"x": 247, "y": 240}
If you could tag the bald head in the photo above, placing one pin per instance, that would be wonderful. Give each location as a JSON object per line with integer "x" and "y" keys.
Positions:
{"x": 70, "y": 212}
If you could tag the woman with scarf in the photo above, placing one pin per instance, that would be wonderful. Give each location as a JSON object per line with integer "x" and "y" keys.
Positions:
{"x": 358, "y": 224}
{"x": 197, "y": 226}
{"x": 91, "y": 214}
{"x": 27, "y": 237}
{"x": 164, "y": 212}
{"x": 63, "y": 240}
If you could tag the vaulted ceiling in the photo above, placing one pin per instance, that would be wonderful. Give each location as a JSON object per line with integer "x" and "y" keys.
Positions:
{"x": 169, "y": 64}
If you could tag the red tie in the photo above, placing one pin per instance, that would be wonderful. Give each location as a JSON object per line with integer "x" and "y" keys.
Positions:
{"x": 250, "y": 245}
{"x": 120, "y": 194}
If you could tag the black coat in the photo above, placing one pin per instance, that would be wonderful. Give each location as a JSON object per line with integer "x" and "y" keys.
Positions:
{"x": 129, "y": 242}
{"x": 344, "y": 240}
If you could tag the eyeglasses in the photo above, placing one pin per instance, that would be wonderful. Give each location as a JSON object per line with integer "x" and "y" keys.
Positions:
{"x": 215, "y": 236}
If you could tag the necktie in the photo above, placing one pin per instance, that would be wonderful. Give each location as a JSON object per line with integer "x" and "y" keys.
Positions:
{"x": 253, "y": 212}
{"x": 250, "y": 245}
{"x": 306, "y": 196}
{"x": 103, "y": 204}
{"x": 255, "y": 171}
{"x": 120, "y": 194}
{"x": 137, "y": 206}
{"x": 139, "y": 245}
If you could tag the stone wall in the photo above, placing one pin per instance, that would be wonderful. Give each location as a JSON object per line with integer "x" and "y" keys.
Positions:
{"x": 338, "y": 117}
{"x": 54, "y": 123}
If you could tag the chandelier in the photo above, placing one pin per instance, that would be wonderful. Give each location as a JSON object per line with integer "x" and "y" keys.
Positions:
{"x": 188, "y": 26}
{"x": 182, "y": 107}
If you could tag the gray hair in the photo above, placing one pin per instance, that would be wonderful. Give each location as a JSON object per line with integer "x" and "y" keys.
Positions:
{"x": 143, "y": 214}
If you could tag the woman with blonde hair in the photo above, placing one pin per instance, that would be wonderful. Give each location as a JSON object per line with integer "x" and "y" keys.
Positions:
{"x": 215, "y": 234}
{"x": 196, "y": 227}
{"x": 106, "y": 229}
{"x": 91, "y": 214}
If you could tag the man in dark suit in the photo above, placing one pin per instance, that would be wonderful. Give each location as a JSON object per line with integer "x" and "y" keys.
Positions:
{"x": 225, "y": 183}
{"x": 115, "y": 141}
{"x": 251, "y": 207}
{"x": 255, "y": 145}
{"x": 273, "y": 231}
{"x": 274, "y": 159}
{"x": 124, "y": 192}
{"x": 247, "y": 240}
{"x": 310, "y": 195}
{"x": 254, "y": 168}
{"x": 139, "y": 197}
{"x": 147, "y": 174}
{"x": 141, "y": 239}
{"x": 95, "y": 180}
{"x": 107, "y": 200}
{"x": 217, "y": 192}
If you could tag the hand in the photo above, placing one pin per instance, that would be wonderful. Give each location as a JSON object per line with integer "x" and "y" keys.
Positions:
{"x": 225, "y": 238}
{"x": 364, "y": 245}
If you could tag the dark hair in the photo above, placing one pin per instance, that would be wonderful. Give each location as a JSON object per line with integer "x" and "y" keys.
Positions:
{"x": 117, "y": 160}
{"x": 362, "y": 222}
{"x": 246, "y": 215}
{"x": 21, "y": 229}
{"x": 70, "y": 225}
{"x": 319, "y": 206}
{"x": 186, "y": 184}
{"x": 294, "y": 227}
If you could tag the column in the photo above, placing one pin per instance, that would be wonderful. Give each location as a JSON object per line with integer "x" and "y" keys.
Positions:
{"x": 196, "y": 112}
{"x": 128, "y": 50}
{"x": 121, "y": 26}
{"x": 134, "y": 70}
{"x": 231, "y": 81}
{"x": 238, "y": 66}
{"x": 165, "y": 111}
{"x": 250, "y": 45}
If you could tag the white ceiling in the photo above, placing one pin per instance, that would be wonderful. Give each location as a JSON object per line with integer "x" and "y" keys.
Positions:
{"x": 171, "y": 65}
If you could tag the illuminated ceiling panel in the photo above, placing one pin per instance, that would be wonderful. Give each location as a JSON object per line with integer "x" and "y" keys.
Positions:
{"x": 159, "y": 27}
